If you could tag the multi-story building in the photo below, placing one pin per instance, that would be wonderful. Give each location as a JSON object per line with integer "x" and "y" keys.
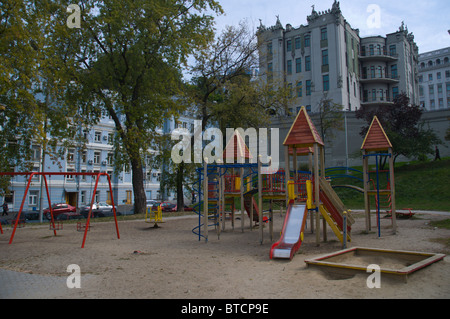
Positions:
{"x": 434, "y": 79}
{"x": 327, "y": 57}
{"x": 96, "y": 156}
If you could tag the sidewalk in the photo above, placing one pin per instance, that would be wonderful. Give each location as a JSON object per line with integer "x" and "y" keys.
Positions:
{"x": 19, "y": 285}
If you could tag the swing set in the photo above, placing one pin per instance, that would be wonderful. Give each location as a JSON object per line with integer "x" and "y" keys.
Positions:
{"x": 58, "y": 226}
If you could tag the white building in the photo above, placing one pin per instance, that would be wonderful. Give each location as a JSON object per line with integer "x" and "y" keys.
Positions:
{"x": 328, "y": 57}
{"x": 434, "y": 79}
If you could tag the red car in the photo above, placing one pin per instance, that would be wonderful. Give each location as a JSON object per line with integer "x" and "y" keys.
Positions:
{"x": 59, "y": 209}
{"x": 186, "y": 208}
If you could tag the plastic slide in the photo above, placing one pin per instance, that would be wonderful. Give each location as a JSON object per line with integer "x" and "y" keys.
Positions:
{"x": 292, "y": 233}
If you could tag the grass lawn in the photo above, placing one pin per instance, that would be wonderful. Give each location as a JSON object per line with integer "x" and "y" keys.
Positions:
{"x": 418, "y": 185}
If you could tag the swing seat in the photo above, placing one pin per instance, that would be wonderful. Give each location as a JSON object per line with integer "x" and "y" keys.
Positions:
{"x": 82, "y": 226}
{"x": 58, "y": 226}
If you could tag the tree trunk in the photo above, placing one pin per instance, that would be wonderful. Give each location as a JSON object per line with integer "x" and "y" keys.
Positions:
{"x": 180, "y": 195}
{"x": 140, "y": 199}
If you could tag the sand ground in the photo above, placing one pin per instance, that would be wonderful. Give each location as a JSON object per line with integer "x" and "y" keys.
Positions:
{"x": 170, "y": 262}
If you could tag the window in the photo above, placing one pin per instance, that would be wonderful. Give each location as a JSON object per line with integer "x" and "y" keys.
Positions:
{"x": 374, "y": 95}
{"x": 392, "y": 50}
{"x": 97, "y": 155}
{"x": 299, "y": 89}
{"x": 110, "y": 158}
{"x": 270, "y": 71}
{"x": 289, "y": 67}
{"x": 432, "y": 104}
{"x": 308, "y": 87}
{"x": 70, "y": 178}
{"x": 83, "y": 197}
{"x": 430, "y": 77}
{"x": 447, "y": 74}
{"x": 324, "y": 57}
{"x": 439, "y": 88}
{"x": 394, "y": 71}
{"x": 110, "y": 138}
{"x": 431, "y": 89}
{"x": 98, "y": 136}
{"x": 323, "y": 34}
{"x": 308, "y": 108}
{"x": 441, "y": 103}
{"x": 420, "y": 90}
{"x": 394, "y": 92}
{"x": 372, "y": 72}
{"x": 289, "y": 45}
{"x": 307, "y": 41}
{"x": 308, "y": 63}
{"x": 298, "y": 43}
{"x": 298, "y": 65}
{"x": 84, "y": 157}
{"x": 70, "y": 155}
{"x": 269, "y": 50}
{"x": 448, "y": 89}
{"x": 326, "y": 82}
{"x": 35, "y": 153}
{"x": 420, "y": 78}
{"x": 371, "y": 49}
{"x": 33, "y": 198}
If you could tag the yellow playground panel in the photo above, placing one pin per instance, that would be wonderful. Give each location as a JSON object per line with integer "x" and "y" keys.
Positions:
{"x": 154, "y": 216}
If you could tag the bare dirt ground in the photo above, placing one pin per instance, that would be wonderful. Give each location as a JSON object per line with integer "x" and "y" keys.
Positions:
{"x": 170, "y": 262}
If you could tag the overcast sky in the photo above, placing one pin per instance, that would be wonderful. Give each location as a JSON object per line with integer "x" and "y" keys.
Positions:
{"x": 428, "y": 20}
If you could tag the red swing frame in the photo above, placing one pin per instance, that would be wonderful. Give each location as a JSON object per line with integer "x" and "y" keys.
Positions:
{"x": 43, "y": 174}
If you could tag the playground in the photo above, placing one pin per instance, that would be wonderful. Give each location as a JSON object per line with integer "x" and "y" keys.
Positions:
{"x": 256, "y": 233}
{"x": 169, "y": 262}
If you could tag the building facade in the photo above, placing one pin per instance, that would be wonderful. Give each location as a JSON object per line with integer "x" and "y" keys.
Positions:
{"x": 434, "y": 79}
{"x": 96, "y": 156}
{"x": 328, "y": 58}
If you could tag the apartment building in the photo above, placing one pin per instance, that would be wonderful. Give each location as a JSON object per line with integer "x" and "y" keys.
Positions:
{"x": 96, "y": 156}
{"x": 327, "y": 57}
{"x": 434, "y": 79}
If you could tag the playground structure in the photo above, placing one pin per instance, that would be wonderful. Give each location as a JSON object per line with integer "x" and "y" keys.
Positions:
{"x": 154, "y": 216}
{"x": 376, "y": 144}
{"x": 303, "y": 192}
{"x": 58, "y": 225}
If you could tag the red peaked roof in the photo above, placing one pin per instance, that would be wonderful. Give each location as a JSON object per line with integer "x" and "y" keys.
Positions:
{"x": 376, "y": 138}
{"x": 303, "y": 133}
{"x": 302, "y": 151}
{"x": 238, "y": 149}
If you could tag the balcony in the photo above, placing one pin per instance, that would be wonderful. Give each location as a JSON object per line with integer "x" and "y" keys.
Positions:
{"x": 374, "y": 101}
{"x": 378, "y": 56}
{"x": 380, "y": 78}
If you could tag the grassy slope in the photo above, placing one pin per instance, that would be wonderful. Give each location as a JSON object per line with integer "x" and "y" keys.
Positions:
{"x": 424, "y": 186}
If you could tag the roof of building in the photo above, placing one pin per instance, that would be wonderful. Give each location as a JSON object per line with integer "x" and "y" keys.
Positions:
{"x": 376, "y": 138}
{"x": 303, "y": 133}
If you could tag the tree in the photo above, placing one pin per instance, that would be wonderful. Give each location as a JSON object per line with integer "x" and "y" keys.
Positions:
{"x": 409, "y": 136}
{"x": 330, "y": 118}
{"x": 31, "y": 112}
{"x": 125, "y": 61}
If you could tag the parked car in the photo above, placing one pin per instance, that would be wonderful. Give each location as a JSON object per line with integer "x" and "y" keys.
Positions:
{"x": 151, "y": 202}
{"x": 186, "y": 208}
{"x": 69, "y": 216}
{"x": 32, "y": 215}
{"x": 166, "y": 206}
{"x": 97, "y": 208}
{"x": 59, "y": 209}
